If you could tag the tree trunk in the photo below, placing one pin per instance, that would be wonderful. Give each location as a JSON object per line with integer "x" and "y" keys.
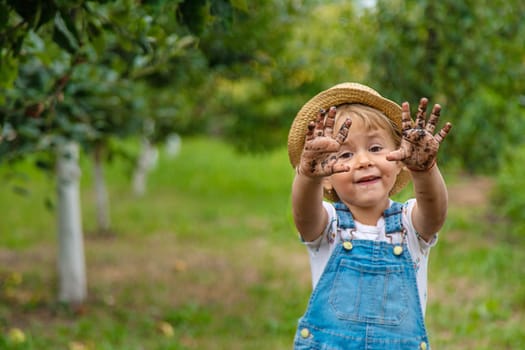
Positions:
{"x": 101, "y": 193}
{"x": 147, "y": 161}
{"x": 173, "y": 144}
{"x": 71, "y": 262}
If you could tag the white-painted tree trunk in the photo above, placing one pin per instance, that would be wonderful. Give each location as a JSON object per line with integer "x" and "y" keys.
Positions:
{"x": 147, "y": 160}
{"x": 101, "y": 192}
{"x": 71, "y": 261}
{"x": 173, "y": 144}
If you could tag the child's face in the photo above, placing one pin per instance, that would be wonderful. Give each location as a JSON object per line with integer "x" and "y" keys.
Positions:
{"x": 371, "y": 176}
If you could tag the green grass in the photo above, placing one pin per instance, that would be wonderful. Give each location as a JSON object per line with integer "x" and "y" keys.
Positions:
{"x": 211, "y": 251}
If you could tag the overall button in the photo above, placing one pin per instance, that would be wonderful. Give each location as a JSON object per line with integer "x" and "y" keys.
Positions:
{"x": 305, "y": 333}
{"x": 347, "y": 245}
{"x": 423, "y": 346}
{"x": 398, "y": 250}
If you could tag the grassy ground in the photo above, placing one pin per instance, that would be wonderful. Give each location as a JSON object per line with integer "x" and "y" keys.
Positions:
{"x": 208, "y": 259}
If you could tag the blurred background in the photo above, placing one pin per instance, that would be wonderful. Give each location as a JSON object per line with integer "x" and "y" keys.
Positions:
{"x": 145, "y": 199}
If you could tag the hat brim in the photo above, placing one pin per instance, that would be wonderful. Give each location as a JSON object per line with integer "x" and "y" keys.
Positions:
{"x": 335, "y": 96}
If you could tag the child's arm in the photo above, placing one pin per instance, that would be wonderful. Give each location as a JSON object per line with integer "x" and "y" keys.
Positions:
{"x": 309, "y": 216}
{"x": 318, "y": 160}
{"x": 418, "y": 152}
{"x": 430, "y": 210}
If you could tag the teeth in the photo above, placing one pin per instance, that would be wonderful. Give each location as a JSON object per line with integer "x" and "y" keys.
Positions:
{"x": 367, "y": 179}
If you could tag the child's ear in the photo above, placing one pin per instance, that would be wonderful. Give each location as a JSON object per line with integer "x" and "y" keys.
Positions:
{"x": 328, "y": 189}
{"x": 327, "y": 184}
{"x": 402, "y": 167}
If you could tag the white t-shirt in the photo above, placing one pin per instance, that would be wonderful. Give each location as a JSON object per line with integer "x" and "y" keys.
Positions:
{"x": 321, "y": 249}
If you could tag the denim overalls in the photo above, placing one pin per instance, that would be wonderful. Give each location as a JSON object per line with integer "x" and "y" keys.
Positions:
{"x": 367, "y": 297}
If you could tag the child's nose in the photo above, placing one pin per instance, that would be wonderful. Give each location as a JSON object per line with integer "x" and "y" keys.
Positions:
{"x": 362, "y": 160}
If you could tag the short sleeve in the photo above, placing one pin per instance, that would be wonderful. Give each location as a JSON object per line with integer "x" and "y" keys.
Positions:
{"x": 414, "y": 236}
{"x": 328, "y": 235}
{"x": 321, "y": 248}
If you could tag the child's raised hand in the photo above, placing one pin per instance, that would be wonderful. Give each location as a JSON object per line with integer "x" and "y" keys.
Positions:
{"x": 319, "y": 157}
{"x": 419, "y": 146}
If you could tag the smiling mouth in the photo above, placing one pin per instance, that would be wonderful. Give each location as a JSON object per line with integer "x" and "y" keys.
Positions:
{"x": 367, "y": 179}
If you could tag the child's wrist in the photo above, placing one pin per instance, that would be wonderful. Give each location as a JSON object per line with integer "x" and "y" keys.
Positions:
{"x": 298, "y": 172}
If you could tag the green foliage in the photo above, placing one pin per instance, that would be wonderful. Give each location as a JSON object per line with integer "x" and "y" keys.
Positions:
{"x": 230, "y": 68}
{"x": 509, "y": 196}
{"x": 275, "y": 57}
{"x": 489, "y": 124}
{"x": 199, "y": 15}
{"x": 462, "y": 55}
{"x": 88, "y": 77}
{"x": 88, "y": 71}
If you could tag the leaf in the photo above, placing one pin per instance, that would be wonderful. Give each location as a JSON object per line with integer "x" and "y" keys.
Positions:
{"x": 240, "y": 5}
{"x": 4, "y": 16}
{"x": 70, "y": 25}
{"x": 63, "y": 37}
{"x": 8, "y": 73}
{"x": 195, "y": 14}
{"x": 36, "y": 13}
{"x": 93, "y": 29}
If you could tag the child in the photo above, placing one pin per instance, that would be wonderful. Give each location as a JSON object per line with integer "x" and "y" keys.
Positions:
{"x": 368, "y": 254}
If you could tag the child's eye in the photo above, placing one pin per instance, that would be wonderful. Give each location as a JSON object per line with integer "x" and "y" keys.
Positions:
{"x": 346, "y": 155}
{"x": 376, "y": 149}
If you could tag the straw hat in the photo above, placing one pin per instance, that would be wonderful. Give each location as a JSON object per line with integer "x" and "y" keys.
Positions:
{"x": 335, "y": 96}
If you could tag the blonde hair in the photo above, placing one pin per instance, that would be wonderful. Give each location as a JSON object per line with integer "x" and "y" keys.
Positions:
{"x": 372, "y": 118}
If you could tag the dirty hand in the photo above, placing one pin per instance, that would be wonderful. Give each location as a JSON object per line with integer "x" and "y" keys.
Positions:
{"x": 419, "y": 146}
{"x": 319, "y": 157}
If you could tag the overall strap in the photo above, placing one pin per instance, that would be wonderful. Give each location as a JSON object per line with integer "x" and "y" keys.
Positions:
{"x": 345, "y": 218}
{"x": 393, "y": 218}
{"x": 392, "y": 215}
